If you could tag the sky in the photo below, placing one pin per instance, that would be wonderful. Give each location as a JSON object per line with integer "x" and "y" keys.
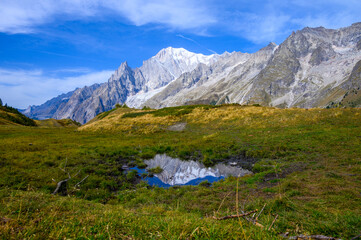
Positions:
{"x": 49, "y": 47}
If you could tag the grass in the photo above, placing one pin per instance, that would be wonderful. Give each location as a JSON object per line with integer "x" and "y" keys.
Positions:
{"x": 11, "y": 116}
{"x": 307, "y": 170}
{"x": 155, "y": 170}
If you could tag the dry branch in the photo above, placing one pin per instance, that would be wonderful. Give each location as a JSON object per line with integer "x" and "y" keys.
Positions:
{"x": 274, "y": 220}
{"x": 61, "y": 186}
{"x": 235, "y": 216}
{"x": 312, "y": 237}
{"x": 76, "y": 185}
{"x": 260, "y": 212}
{"x": 356, "y": 237}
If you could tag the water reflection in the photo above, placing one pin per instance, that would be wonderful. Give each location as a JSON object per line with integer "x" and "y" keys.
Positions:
{"x": 177, "y": 172}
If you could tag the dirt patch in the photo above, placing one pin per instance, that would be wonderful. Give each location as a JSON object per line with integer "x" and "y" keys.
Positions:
{"x": 267, "y": 181}
{"x": 241, "y": 161}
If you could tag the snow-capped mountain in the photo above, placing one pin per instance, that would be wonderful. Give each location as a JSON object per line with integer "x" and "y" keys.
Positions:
{"x": 313, "y": 67}
{"x": 85, "y": 103}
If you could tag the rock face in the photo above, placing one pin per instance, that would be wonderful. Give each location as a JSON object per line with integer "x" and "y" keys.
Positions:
{"x": 313, "y": 67}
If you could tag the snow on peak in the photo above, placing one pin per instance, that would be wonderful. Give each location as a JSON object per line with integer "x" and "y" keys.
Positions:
{"x": 181, "y": 54}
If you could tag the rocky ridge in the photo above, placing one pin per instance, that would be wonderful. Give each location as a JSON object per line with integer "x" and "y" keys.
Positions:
{"x": 313, "y": 67}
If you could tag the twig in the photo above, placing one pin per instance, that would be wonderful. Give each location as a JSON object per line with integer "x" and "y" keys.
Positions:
{"x": 235, "y": 216}
{"x": 313, "y": 237}
{"x": 223, "y": 202}
{"x": 59, "y": 185}
{"x": 77, "y": 173}
{"x": 358, "y": 236}
{"x": 81, "y": 181}
{"x": 260, "y": 212}
{"x": 274, "y": 220}
{"x": 252, "y": 221}
{"x": 63, "y": 169}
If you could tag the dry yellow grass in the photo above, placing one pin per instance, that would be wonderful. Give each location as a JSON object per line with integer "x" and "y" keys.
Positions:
{"x": 143, "y": 124}
{"x": 250, "y": 116}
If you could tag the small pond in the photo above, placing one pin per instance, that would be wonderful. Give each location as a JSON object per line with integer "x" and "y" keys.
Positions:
{"x": 178, "y": 172}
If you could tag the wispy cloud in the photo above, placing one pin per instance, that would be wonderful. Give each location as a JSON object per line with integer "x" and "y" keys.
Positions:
{"x": 24, "y": 16}
{"x": 21, "y": 88}
{"x": 261, "y": 28}
{"x": 259, "y": 21}
{"x": 197, "y": 43}
{"x": 183, "y": 14}
{"x": 262, "y": 21}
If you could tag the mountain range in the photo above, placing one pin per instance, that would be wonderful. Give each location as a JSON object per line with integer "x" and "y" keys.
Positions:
{"x": 313, "y": 67}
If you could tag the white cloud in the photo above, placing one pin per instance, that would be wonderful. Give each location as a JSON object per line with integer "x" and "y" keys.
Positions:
{"x": 261, "y": 28}
{"x": 183, "y": 14}
{"x": 260, "y": 21}
{"x": 24, "y": 16}
{"x": 20, "y": 88}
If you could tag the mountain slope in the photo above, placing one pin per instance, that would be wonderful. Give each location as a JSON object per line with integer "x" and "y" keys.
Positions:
{"x": 85, "y": 103}
{"x": 313, "y": 67}
{"x": 310, "y": 68}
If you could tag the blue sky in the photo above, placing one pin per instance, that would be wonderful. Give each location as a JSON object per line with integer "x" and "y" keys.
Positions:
{"x": 51, "y": 47}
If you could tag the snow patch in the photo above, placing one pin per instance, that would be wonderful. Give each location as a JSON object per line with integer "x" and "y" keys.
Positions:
{"x": 137, "y": 100}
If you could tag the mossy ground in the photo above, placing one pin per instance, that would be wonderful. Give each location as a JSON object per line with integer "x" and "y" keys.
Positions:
{"x": 308, "y": 171}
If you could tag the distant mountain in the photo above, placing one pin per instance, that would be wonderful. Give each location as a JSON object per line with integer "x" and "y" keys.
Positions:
{"x": 85, "y": 103}
{"x": 313, "y": 67}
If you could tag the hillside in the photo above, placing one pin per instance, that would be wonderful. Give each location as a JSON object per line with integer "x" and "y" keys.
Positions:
{"x": 11, "y": 116}
{"x": 57, "y": 123}
{"x": 305, "y": 163}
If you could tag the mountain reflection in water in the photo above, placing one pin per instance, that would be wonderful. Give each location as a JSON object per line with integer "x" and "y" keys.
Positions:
{"x": 177, "y": 172}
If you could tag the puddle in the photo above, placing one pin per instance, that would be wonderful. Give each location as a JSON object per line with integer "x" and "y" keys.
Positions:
{"x": 178, "y": 172}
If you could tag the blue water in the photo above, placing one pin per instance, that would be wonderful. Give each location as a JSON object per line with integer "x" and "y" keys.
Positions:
{"x": 155, "y": 181}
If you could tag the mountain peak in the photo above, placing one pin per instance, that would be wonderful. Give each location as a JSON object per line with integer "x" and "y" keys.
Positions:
{"x": 270, "y": 46}
{"x": 123, "y": 66}
{"x": 123, "y": 69}
{"x": 170, "y": 51}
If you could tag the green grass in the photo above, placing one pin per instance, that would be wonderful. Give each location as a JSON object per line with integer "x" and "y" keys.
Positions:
{"x": 155, "y": 170}
{"x": 10, "y": 115}
{"x": 307, "y": 171}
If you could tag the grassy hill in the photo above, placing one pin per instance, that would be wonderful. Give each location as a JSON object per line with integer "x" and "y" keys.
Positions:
{"x": 57, "y": 123}
{"x": 306, "y": 164}
{"x": 11, "y": 116}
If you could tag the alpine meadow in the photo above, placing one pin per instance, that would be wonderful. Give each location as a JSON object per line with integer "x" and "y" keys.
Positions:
{"x": 189, "y": 145}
